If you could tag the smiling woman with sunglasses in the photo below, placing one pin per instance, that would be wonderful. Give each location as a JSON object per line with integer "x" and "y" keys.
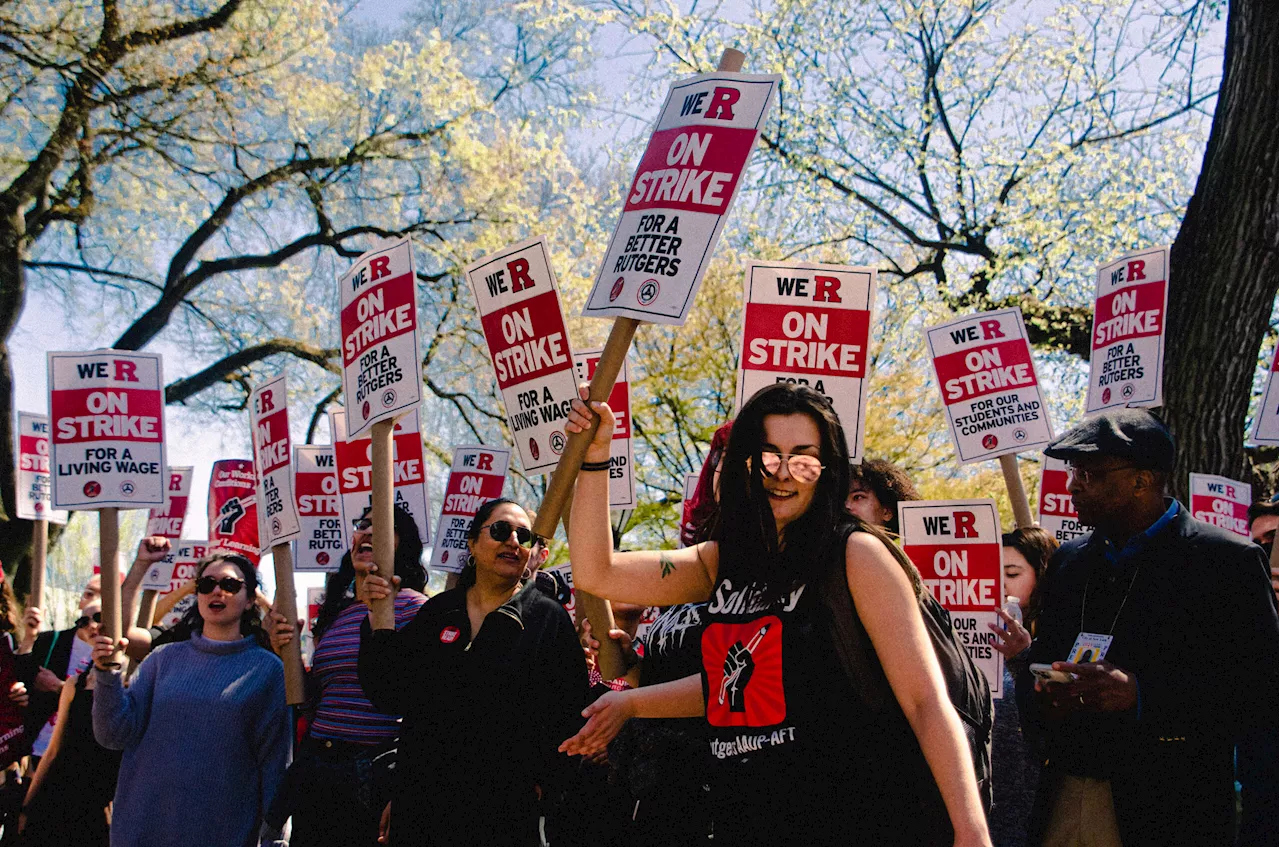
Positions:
{"x": 202, "y": 719}
{"x": 489, "y": 676}
{"x": 797, "y": 758}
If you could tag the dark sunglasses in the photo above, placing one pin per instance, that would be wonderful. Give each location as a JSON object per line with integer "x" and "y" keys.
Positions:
{"x": 362, "y": 524}
{"x": 86, "y": 620}
{"x": 500, "y": 531}
{"x": 229, "y": 584}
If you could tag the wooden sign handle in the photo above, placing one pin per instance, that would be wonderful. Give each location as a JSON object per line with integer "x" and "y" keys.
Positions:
{"x": 39, "y": 555}
{"x": 1017, "y": 493}
{"x": 382, "y": 613}
{"x": 295, "y": 689}
{"x": 109, "y": 574}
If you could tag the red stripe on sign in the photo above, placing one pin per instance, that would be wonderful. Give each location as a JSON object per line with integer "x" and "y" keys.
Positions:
{"x": 106, "y": 414}
{"x": 980, "y": 371}
{"x": 1133, "y": 312}
{"x": 376, "y": 316}
{"x": 807, "y": 340}
{"x": 1054, "y": 498}
{"x": 32, "y": 445}
{"x": 466, "y": 493}
{"x": 688, "y": 169}
{"x": 527, "y": 341}
{"x": 271, "y": 439}
{"x": 962, "y": 577}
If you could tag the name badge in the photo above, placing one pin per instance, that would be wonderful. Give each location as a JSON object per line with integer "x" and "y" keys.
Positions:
{"x": 1089, "y": 647}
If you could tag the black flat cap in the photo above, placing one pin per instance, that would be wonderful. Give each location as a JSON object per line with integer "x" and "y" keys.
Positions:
{"x": 1132, "y": 434}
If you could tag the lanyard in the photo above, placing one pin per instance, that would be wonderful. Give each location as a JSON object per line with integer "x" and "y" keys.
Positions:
{"x": 1085, "y": 599}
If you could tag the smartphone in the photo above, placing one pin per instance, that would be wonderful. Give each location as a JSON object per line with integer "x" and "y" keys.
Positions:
{"x": 1046, "y": 673}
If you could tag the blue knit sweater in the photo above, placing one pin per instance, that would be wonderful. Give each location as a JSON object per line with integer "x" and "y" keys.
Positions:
{"x": 206, "y": 736}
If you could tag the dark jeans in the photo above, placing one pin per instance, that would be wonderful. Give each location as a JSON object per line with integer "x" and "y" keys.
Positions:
{"x": 330, "y": 794}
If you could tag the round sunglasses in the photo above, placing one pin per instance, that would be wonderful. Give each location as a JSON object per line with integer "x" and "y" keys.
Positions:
{"x": 500, "y": 531}
{"x": 85, "y": 620}
{"x": 229, "y": 584}
{"x": 801, "y": 467}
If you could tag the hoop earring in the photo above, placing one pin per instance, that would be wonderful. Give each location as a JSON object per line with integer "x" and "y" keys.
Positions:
{"x": 471, "y": 561}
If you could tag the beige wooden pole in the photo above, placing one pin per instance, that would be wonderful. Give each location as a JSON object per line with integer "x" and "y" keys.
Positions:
{"x": 109, "y": 567}
{"x": 382, "y": 614}
{"x": 287, "y": 605}
{"x": 39, "y": 555}
{"x": 1017, "y": 493}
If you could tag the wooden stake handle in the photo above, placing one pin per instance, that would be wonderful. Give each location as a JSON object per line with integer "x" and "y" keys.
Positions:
{"x": 39, "y": 555}
{"x": 1017, "y": 493}
{"x": 109, "y": 567}
{"x": 382, "y": 614}
{"x": 295, "y": 689}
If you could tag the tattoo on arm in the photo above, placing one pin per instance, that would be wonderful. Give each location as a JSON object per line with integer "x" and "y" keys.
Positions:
{"x": 668, "y": 566}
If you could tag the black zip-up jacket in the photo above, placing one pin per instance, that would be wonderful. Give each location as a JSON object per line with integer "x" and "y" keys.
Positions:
{"x": 482, "y": 717}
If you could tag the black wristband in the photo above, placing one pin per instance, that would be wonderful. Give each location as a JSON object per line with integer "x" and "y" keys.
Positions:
{"x": 595, "y": 466}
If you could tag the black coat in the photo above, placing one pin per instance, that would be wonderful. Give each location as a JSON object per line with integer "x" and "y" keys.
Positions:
{"x": 482, "y": 718}
{"x": 51, "y": 650}
{"x": 1199, "y": 630}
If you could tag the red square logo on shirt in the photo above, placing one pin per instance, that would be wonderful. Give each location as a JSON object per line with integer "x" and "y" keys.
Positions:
{"x": 743, "y": 662}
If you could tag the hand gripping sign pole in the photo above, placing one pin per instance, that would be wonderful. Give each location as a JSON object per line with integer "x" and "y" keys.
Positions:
{"x": 560, "y": 487}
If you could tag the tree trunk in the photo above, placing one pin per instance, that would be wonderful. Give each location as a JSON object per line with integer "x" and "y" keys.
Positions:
{"x": 1223, "y": 265}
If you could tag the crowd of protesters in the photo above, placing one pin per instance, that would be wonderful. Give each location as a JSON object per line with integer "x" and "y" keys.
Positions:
{"x": 481, "y": 716}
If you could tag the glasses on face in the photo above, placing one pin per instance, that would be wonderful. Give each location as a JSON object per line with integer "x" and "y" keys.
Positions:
{"x": 362, "y": 524}
{"x": 500, "y": 531}
{"x": 86, "y": 620}
{"x": 229, "y": 584}
{"x": 1087, "y": 477}
{"x": 801, "y": 467}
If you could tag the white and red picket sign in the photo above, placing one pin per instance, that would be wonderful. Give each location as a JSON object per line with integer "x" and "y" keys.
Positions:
{"x": 354, "y": 460}
{"x": 1127, "y": 365}
{"x": 177, "y": 568}
{"x": 381, "y": 353}
{"x": 680, "y": 196}
{"x": 107, "y": 409}
{"x": 321, "y": 542}
{"x": 475, "y": 477}
{"x": 622, "y": 472}
{"x": 1057, "y": 512}
{"x": 233, "y": 508}
{"x": 519, "y": 305}
{"x": 167, "y": 521}
{"x": 272, "y": 455}
{"x": 810, "y": 325}
{"x": 955, "y": 544}
{"x": 35, "y": 502}
{"x": 1222, "y": 502}
{"x": 989, "y": 385}
{"x": 1266, "y": 424}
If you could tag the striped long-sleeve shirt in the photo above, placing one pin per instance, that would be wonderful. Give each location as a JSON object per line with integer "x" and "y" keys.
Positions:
{"x": 344, "y": 713}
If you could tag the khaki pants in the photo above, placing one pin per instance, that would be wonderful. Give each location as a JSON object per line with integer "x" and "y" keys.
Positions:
{"x": 1083, "y": 815}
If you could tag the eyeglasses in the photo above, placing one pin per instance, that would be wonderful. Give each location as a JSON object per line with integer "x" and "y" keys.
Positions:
{"x": 86, "y": 620}
{"x": 229, "y": 584}
{"x": 801, "y": 467}
{"x": 362, "y": 524}
{"x": 1088, "y": 477}
{"x": 500, "y": 531}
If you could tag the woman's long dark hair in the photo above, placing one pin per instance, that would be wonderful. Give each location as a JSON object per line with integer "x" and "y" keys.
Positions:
{"x": 744, "y": 525}
{"x": 251, "y": 620}
{"x": 467, "y": 578}
{"x": 408, "y": 566}
{"x": 1037, "y": 547}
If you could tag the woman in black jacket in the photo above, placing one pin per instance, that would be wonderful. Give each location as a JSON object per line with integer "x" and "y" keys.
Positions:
{"x": 489, "y": 676}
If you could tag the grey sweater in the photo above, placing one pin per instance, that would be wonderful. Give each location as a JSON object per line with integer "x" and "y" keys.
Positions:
{"x": 206, "y": 737}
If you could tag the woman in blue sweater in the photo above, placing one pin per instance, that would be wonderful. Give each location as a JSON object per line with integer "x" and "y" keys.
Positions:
{"x": 204, "y": 721}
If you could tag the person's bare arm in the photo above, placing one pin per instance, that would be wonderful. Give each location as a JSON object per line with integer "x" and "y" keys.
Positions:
{"x": 681, "y": 698}
{"x": 151, "y": 549}
{"x": 646, "y": 578}
{"x": 166, "y": 603}
{"x": 888, "y": 609}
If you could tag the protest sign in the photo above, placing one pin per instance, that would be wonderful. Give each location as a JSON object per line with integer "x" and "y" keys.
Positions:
{"x": 1127, "y": 365}
{"x": 108, "y": 430}
{"x": 381, "y": 353}
{"x": 955, "y": 544}
{"x": 1266, "y": 424}
{"x": 233, "y": 508}
{"x": 1057, "y": 513}
{"x": 989, "y": 385}
{"x": 13, "y": 742}
{"x": 354, "y": 461}
{"x": 519, "y": 306}
{"x": 269, "y": 422}
{"x": 810, "y": 325}
{"x": 34, "y": 499}
{"x": 321, "y": 543}
{"x": 167, "y": 520}
{"x": 176, "y": 569}
{"x": 476, "y": 476}
{"x": 1222, "y": 502}
{"x": 622, "y": 472}
{"x": 680, "y": 196}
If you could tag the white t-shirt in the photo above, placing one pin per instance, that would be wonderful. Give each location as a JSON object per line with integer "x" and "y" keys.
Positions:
{"x": 81, "y": 655}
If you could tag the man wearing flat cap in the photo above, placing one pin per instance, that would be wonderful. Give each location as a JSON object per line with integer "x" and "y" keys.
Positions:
{"x": 1141, "y": 744}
